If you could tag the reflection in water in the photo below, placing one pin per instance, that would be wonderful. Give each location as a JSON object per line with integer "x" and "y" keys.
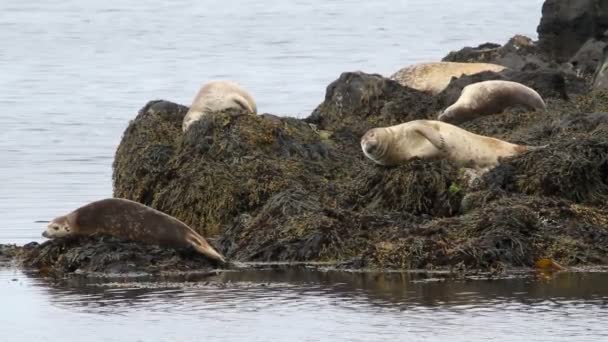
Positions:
{"x": 299, "y": 304}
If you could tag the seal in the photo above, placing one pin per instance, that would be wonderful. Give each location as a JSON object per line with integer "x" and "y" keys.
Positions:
{"x": 491, "y": 97}
{"x": 434, "y": 77}
{"x": 431, "y": 139}
{"x": 217, "y": 96}
{"x": 130, "y": 220}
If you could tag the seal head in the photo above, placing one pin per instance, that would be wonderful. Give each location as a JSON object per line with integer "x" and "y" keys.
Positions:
{"x": 374, "y": 145}
{"x": 58, "y": 228}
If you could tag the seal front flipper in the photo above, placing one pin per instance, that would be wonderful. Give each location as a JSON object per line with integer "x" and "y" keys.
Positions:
{"x": 432, "y": 135}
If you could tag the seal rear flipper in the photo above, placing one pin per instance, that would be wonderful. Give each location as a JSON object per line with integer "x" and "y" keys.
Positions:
{"x": 205, "y": 248}
{"x": 534, "y": 148}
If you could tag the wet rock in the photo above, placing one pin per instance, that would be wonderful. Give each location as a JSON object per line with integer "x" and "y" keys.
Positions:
{"x": 8, "y": 254}
{"x": 566, "y": 26}
{"x": 109, "y": 256}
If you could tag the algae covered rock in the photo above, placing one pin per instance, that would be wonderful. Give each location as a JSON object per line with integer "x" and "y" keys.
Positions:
{"x": 150, "y": 148}
{"x": 357, "y": 101}
{"x": 273, "y": 188}
{"x": 106, "y": 255}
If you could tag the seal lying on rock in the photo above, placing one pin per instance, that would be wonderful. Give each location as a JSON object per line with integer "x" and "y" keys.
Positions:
{"x": 434, "y": 77}
{"x": 132, "y": 221}
{"x": 490, "y": 97}
{"x": 428, "y": 139}
{"x": 217, "y": 96}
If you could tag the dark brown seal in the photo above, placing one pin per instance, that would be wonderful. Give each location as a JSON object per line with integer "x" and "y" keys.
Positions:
{"x": 132, "y": 221}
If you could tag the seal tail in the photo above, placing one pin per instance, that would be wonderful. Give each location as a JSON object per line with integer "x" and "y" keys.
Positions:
{"x": 203, "y": 247}
{"x": 534, "y": 148}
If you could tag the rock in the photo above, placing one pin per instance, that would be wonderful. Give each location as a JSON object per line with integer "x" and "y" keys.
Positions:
{"x": 574, "y": 166}
{"x": 105, "y": 255}
{"x": 566, "y": 25}
{"x": 519, "y": 53}
{"x": 357, "y": 101}
{"x": 586, "y": 61}
{"x": 600, "y": 77}
{"x": 274, "y": 188}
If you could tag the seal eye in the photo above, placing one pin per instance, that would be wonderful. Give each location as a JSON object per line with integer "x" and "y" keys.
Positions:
{"x": 55, "y": 228}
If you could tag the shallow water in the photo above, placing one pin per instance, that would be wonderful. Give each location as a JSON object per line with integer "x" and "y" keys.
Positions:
{"x": 303, "y": 305}
{"x": 75, "y": 72}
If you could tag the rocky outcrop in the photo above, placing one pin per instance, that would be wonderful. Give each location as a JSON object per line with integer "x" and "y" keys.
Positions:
{"x": 565, "y": 26}
{"x": 109, "y": 256}
{"x": 275, "y": 188}
{"x": 600, "y": 78}
{"x": 519, "y": 53}
{"x": 356, "y": 101}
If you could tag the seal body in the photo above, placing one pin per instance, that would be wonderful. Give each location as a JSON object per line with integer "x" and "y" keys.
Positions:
{"x": 434, "y": 77}
{"x": 132, "y": 221}
{"x": 491, "y": 97}
{"x": 430, "y": 139}
{"x": 217, "y": 96}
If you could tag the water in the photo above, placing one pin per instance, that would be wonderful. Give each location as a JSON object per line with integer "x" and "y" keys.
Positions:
{"x": 75, "y": 72}
{"x": 300, "y": 305}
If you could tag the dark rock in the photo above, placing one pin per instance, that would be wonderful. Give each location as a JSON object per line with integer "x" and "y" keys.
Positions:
{"x": 519, "y": 53}
{"x": 357, "y": 101}
{"x": 574, "y": 166}
{"x": 600, "y": 78}
{"x": 566, "y": 25}
{"x": 107, "y": 255}
{"x": 281, "y": 189}
{"x": 586, "y": 61}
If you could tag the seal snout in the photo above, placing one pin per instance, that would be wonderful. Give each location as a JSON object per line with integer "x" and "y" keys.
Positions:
{"x": 45, "y": 234}
{"x": 368, "y": 146}
{"x": 369, "y": 143}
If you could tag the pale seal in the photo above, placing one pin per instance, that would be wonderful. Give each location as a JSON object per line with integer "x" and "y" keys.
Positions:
{"x": 132, "y": 221}
{"x": 217, "y": 96}
{"x": 434, "y": 77}
{"x": 430, "y": 139}
{"x": 491, "y": 97}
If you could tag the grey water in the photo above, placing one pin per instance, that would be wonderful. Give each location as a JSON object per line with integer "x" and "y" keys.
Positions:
{"x": 304, "y": 305}
{"x": 74, "y": 72}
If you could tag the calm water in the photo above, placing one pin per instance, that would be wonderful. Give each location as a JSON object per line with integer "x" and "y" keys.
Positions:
{"x": 302, "y": 305}
{"x": 75, "y": 72}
